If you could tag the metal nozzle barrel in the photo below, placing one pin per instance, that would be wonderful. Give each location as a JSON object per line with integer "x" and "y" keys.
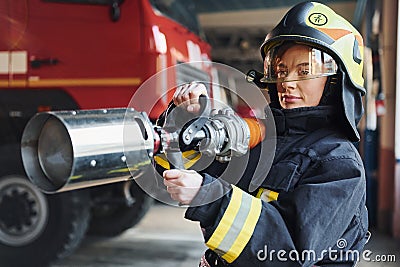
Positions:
{"x": 66, "y": 150}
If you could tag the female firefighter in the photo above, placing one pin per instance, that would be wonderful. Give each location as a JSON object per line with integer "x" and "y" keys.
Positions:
{"x": 310, "y": 209}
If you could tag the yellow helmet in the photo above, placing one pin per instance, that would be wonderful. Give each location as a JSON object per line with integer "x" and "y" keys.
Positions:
{"x": 318, "y": 25}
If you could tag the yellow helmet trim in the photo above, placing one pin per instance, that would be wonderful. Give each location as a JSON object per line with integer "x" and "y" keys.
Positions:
{"x": 343, "y": 33}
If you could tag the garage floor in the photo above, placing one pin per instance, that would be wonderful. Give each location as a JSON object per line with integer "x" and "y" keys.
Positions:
{"x": 164, "y": 238}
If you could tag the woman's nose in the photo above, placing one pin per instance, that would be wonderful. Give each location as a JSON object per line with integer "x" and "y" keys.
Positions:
{"x": 288, "y": 85}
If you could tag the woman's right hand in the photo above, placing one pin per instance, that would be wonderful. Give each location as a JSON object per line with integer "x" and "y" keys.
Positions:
{"x": 187, "y": 96}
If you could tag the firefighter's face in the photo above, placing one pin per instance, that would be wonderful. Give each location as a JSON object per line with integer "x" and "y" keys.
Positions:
{"x": 296, "y": 93}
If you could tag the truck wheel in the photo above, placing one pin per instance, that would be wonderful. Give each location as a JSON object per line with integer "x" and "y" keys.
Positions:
{"x": 35, "y": 228}
{"x": 117, "y": 208}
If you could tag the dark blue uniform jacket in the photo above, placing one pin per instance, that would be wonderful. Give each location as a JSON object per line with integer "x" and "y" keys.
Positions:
{"x": 313, "y": 209}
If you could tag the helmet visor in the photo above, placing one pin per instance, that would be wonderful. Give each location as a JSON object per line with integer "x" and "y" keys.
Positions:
{"x": 296, "y": 62}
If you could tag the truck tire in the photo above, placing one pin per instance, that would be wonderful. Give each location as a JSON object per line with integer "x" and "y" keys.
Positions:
{"x": 114, "y": 211}
{"x": 35, "y": 228}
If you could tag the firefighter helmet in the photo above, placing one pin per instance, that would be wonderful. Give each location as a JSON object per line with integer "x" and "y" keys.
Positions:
{"x": 319, "y": 26}
{"x": 316, "y": 25}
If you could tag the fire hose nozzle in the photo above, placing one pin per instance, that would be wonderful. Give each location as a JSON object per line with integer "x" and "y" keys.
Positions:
{"x": 66, "y": 150}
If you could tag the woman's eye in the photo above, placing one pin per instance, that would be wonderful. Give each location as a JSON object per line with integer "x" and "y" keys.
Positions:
{"x": 281, "y": 73}
{"x": 303, "y": 72}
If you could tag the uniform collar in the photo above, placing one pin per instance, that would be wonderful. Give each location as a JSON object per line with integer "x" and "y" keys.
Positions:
{"x": 302, "y": 120}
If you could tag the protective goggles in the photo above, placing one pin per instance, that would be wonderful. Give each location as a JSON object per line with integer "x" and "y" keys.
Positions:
{"x": 296, "y": 62}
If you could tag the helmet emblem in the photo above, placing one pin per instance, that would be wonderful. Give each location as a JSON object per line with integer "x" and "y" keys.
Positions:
{"x": 318, "y": 19}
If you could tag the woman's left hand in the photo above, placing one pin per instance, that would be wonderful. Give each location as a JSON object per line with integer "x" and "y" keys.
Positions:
{"x": 182, "y": 185}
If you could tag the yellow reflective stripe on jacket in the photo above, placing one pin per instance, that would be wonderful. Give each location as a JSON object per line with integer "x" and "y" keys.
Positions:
{"x": 236, "y": 226}
{"x": 189, "y": 157}
{"x": 267, "y": 195}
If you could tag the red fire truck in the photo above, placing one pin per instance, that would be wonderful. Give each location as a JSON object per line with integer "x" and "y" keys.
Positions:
{"x": 79, "y": 54}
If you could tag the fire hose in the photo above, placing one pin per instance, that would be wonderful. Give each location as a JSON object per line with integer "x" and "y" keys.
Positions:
{"x": 67, "y": 150}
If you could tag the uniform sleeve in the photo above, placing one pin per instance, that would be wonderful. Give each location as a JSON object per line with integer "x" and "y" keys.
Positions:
{"x": 247, "y": 231}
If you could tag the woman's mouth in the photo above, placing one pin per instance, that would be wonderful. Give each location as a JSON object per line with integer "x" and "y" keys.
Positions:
{"x": 290, "y": 98}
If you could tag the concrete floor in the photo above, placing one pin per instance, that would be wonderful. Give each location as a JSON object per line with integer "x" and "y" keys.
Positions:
{"x": 164, "y": 238}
